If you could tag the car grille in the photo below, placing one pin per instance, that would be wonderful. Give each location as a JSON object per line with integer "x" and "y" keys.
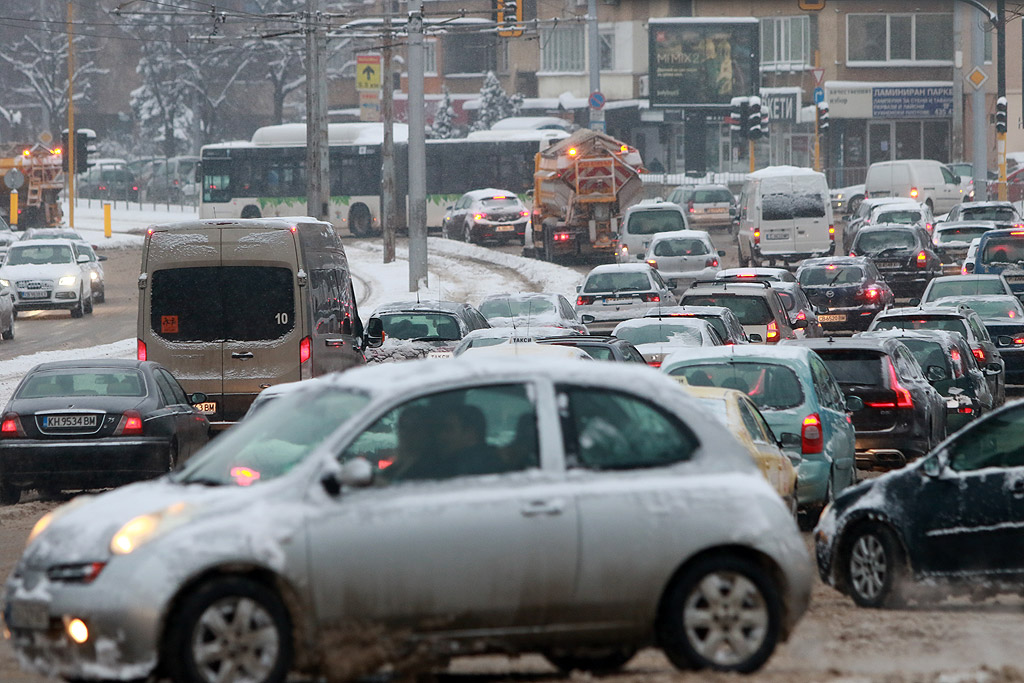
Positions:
{"x": 34, "y": 284}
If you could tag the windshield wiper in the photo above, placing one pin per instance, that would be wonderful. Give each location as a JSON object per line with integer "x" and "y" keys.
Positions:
{"x": 433, "y": 338}
{"x": 202, "y": 481}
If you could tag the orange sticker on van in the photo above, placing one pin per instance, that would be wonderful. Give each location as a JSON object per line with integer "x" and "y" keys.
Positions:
{"x": 169, "y": 324}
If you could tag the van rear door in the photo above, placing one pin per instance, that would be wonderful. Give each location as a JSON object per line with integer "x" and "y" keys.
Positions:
{"x": 778, "y": 233}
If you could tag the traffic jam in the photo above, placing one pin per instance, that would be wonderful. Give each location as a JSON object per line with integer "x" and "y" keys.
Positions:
{"x": 668, "y": 457}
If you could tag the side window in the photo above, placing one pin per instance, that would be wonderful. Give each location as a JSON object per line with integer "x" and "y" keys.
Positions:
{"x": 658, "y": 282}
{"x": 825, "y": 386}
{"x": 906, "y": 365}
{"x": 996, "y": 442}
{"x": 482, "y": 430}
{"x": 752, "y": 424}
{"x": 176, "y": 390}
{"x": 165, "y": 389}
{"x": 979, "y": 330}
{"x": 947, "y": 177}
{"x": 603, "y": 429}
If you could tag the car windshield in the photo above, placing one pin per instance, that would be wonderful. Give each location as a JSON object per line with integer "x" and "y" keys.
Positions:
{"x": 944, "y": 288}
{"x": 1004, "y": 307}
{"x": 1003, "y": 214}
{"x": 751, "y": 310}
{"x": 76, "y": 382}
{"x": 859, "y": 367}
{"x": 656, "y": 332}
{"x": 904, "y": 216}
{"x": 617, "y": 282}
{"x": 931, "y": 322}
{"x": 875, "y": 241}
{"x": 712, "y": 196}
{"x": 769, "y": 385}
{"x": 681, "y": 246}
{"x": 1004, "y": 249}
{"x": 964, "y": 235}
{"x": 516, "y": 307}
{"x": 38, "y": 255}
{"x": 650, "y": 222}
{"x": 286, "y": 431}
{"x": 830, "y": 275}
{"x": 425, "y": 326}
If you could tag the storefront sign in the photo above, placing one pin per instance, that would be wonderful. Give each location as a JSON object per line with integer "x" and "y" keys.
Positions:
{"x": 781, "y": 107}
{"x": 889, "y": 101}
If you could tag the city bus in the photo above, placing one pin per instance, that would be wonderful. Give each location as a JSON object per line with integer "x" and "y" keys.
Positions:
{"x": 265, "y": 177}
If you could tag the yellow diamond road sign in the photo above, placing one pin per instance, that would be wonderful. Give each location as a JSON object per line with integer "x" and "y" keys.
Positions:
{"x": 367, "y": 72}
{"x": 977, "y": 77}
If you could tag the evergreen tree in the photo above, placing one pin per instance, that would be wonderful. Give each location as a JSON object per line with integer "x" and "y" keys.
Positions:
{"x": 493, "y": 103}
{"x": 442, "y": 128}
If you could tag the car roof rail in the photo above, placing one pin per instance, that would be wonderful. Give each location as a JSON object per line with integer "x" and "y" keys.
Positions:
{"x": 725, "y": 282}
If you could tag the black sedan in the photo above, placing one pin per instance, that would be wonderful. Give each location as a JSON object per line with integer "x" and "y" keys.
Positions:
{"x": 903, "y": 254}
{"x": 599, "y": 346}
{"x": 849, "y": 289}
{"x": 74, "y": 425}
{"x": 954, "y": 521}
{"x": 903, "y": 415}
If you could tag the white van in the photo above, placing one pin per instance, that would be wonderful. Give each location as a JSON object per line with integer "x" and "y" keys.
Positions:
{"x": 924, "y": 180}
{"x": 640, "y": 223}
{"x": 785, "y": 216}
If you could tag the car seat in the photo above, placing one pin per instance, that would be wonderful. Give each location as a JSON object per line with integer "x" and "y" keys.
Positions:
{"x": 448, "y": 329}
{"x": 735, "y": 382}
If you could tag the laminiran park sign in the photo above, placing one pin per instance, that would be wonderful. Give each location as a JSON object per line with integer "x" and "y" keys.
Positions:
{"x": 703, "y": 61}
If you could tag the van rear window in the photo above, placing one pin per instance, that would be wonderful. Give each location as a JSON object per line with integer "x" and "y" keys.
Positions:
{"x": 650, "y": 222}
{"x": 781, "y": 207}
{"x": 218, "y": 303}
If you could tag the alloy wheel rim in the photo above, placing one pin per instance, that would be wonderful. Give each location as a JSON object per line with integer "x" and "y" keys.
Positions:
{"x": 868, "y": 566}
{"x": 726, "y": 618}
{"x": 235, "y": 641}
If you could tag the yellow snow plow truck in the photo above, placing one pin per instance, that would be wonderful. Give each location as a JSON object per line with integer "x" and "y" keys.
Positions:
{"x": 35, "y": 171}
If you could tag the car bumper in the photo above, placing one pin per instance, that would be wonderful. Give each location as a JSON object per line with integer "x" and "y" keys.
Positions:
{"x": 30, "y": 463}
{"x": 709, "y": 220}
{"x": 492, "y": 231}
{"x": 905, "y": 284}
{"x": 1013, "y": 359}
{"x": 812, "y": 482}
{"x": 856, "y": 318}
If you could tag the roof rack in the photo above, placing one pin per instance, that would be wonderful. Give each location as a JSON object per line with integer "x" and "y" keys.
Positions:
{"x": 724, "y": 282}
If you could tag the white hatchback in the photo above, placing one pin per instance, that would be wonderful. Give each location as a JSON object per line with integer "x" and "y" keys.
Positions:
{"x": 684, "y": 256}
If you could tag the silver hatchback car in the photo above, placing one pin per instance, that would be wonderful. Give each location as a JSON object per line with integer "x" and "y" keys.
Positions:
{"x": 432, "y": 509}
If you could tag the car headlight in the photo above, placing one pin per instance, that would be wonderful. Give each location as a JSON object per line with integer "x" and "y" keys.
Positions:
{"x": 94, "y": 276}
{"x": 67, "y": 280}
{"x": 47, "y": 519}
{"x": 144, "y": 528}
{"x": 4, "y": 283}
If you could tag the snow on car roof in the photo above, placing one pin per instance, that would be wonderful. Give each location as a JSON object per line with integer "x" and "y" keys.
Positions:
{"x": 782, "y": 352}
{"x": 621, "y": 268}
{"x": 678, "y": 234}
{"x": 689, "y": 323}
{"x": 773, "y": 171}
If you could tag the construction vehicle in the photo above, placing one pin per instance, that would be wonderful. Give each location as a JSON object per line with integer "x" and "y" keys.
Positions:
{"x": 582, "y": 185}
{"x": 42, "y": 180}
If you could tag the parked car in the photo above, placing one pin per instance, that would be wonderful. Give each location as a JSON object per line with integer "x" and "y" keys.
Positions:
{"x": 1003, "y": 214}
{"x": 492, "y": 336}
{"x": 377, "y": 484}
{"x": 655, "y": 338}
{"x": 641, "y": 222}
{"x": 170, "y": 180}
{"x": 489, "y": 214}
{"x": 615, "y": 292}
{"x": 903, "y": 416}
{"x": 710, "y": 206}
{"x": 107, "y": 179}
{"x": 404, "y": 330}
{"x": 744, "y": 421}
{"x": 600, "y": 347}
{"x": 721, "y": 318}
{"x": 964, "y": 285}
{"x": 902, "y": 254}
{"x": 797, "y": 396}
{"x": 849, "y": 288}
{"x": 758, "y": 307}
{"x": 683, "y": 256}
{"x": 531, "y": 309}
{"x": 948, "y": 525}
{"x": 846, "y": 200}
{"x": 48, "y": 275}
{"x": 760, "y": 274}
{"x": 962, "y": 383}
{"x": 85, "y": 424}
{"x": 953, "y": 239}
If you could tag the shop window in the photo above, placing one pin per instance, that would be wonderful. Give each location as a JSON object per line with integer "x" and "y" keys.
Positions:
{"x": 905, "y": 39}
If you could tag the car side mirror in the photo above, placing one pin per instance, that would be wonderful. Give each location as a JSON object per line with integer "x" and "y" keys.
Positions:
{"x": 799, "y": 324}
{"x": 83, "y": 258}
{"x": 755, "y": 338}
{"x": 854, "y": 403}
{"x": 969, "y": 267}
{"x": 721, "y": 252}
{"x": 198, "y": 397}
{"x": 374, "y": 333}
{"x": 100, "y": 257}
{"x": 1004, "y": 340}
{"x": 914, "y": 302}
{"x": 578, "y": 288}
{"x": 790, "y": 440}
{"x": 932, "y": 466}
{"x": 356, "y": 472}
{"x": 672, "y": 284}
{"x": 993, "y": 369}
{"x": 935, "y": 372}
{"x": 586, "y": 318}
{"x": 640, "y": 256}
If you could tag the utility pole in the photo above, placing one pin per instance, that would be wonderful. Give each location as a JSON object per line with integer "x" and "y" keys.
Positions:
{"x": 72, "y": 138}
{"x": 594, "y": 38}
{"x": 317, "y": 162}
{"x": 957, "y": 143}
{"x": 387, "y": 110}
{"x": 417, "y": 152}
{"x": 1001, "y": 95}
{"x": 979, "y": 123}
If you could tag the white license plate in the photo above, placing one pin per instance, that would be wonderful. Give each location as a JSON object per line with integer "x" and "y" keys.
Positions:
{"x": 505, "y": 228}
{"x": 832, "y": 318}
{"x": 618, "y": 299}
{"x": 887, "y": 264}
{"x": 59, "y": 421}
{"x": 34, "y": 294}
{"x": 776, "y": 236}
{"x": 27, "y": 614}
{"x": 207, "y": 407}
{"x": 715, "y": 210}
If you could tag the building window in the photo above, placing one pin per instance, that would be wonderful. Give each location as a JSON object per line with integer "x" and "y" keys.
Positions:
{"x": 607, "y": 44}
{"x": 562, "y": 48}
{"x": 903, "y": 39}
{"x": 785, "y": 43}
{"x": 469, "y": 53}
{"x": 430, "y": 57}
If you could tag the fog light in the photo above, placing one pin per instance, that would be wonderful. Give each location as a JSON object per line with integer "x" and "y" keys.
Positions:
{"x": 77, "y": 631}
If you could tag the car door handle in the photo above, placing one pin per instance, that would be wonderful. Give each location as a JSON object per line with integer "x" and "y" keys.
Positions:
{"x": 1017, "y": 489}
{"x": 245, "y": 355}
{"x": 535, "y": 508}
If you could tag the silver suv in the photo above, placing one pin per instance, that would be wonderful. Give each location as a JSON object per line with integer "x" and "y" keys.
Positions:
{"x": 757, "y": 305}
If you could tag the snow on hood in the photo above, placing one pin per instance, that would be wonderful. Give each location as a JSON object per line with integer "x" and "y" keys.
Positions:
{"x": 46, "y": 271}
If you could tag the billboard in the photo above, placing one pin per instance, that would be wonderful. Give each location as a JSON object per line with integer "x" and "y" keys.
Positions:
{"x": 703, "y": 61}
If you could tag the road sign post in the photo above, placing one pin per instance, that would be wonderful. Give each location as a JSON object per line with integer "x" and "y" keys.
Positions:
{"x": 367, "y": 72}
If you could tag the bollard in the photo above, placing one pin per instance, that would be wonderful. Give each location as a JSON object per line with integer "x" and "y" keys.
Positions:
{"x": 13, "y": 217}
{"x": 106, "y": 220}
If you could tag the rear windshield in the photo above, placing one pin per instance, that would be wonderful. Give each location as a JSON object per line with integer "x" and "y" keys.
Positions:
{"x": 780, "y": 207}
{"x": 1007, "y": 307}
{"x": 1003, "y": 214}
{"x": 657, "y": 333}
{"x": 617, "y": 282}
{"x": 770, "y": 386}
{"x": 222, "y": 303}
{"x": 423, "y": 326}
{"x": 830, "y": 275}
{"x": 960, "y": 234}
{"x": 721, "y": 196}
{"x": 681, "y": 246}
{"x": 932, "y": 322}
{"x": 78, "y": 382}
{"x": 751, "y": 310}
{"x": 33, "y": 255}
{"x": 514, "y": 308}
{"x": 855, "y": 366}
{"x": 964, "y": 287}
{"x": 904, "y": 216}
{"x": 1008, "y": 249}
{"x": 877, "y": 240}
{"x": 650, "y": 222}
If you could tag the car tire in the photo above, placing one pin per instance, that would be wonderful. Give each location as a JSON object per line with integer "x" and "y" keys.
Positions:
{"x": 78, "y": 310}
{"x": 8, "y": 334}
{"x": 101, "y": 297}
{"x": 467, "y": 233}
{"x": 9, "y": 494}
{"x": 598, "y": 661}
{"x": 87, "y": 304}
{"x": 694, "y": 625}
{"x": 874, "y": 567}
{"x": 264, "y": 640}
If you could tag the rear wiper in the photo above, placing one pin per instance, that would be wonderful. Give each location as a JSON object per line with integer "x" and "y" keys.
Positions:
{"x": 202, "y": 481}
{"x": 887, "y": 250}
{"x": 433, "y": 338}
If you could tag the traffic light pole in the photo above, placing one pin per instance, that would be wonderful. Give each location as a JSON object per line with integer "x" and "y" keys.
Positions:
{"x": 72, "y": 137}
{"x": 1001, "y": 94}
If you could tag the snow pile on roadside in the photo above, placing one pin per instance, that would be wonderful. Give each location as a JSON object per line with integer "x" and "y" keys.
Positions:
{"x": 127, "y": 224}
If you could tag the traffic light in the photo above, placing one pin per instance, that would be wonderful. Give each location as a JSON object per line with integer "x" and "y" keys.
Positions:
{"x": 764, "y": 123}
{"x": 510, "y": 16}
{"x": 822, "y": 117}
{"x": 754, "y": 118}
{"x": 738, "y": 115}
{"x": 1001, "y": 115}
{"x": 64, "y": 151}
{"x": 81, "y": 152}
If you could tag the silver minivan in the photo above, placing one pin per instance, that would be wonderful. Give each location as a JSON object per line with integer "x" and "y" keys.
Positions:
{"x": 232, "y": 307}
{"x": 641, "y": 222}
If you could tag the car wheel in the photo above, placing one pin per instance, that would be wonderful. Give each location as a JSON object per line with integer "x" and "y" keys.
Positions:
{"x": 467, "y": 234}
{"x": 229, "y": 624}
{"x": 101, "y": 297}
{"x": 9, "y": 494}
{"x": 79, "y": 308}
{"x": 854, "y": 204}
{"x": 597, "y": 661}
{"x": 722, "y": 613}
{"x": 875, "y": 567}
{"x": 8, "y": 334}
{"x": 87, "y": 304}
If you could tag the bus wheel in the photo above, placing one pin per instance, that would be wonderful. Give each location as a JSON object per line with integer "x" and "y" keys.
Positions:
{"x": 359, "y": 220}
{"x": 251, "y": 212}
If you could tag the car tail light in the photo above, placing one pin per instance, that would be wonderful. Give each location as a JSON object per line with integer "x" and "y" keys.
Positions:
{"x": 922, "y": 259}
{"x": 812, "y": 440}
{"x": 654, "y": 363}
{"x": 979, "y": 354}
{"x": 967, "y": 410}
{"x": 1018, "y": 340}
{"x": 650, "y": 297}
{"x": 11, "y": 426}
{"x": 832, "y": 232}
{"x": 913, "y": 193}
{"x": 479, "y": 216}
{"x": 903, "y": 398}
{"x": 853, "y": 253}
{"x": 305, "y": 349}
{"x": 140, "y": 350}
{"x": 869, "y": 293}
{"x": 652, "y": 263}
{"x": 130, "y": 424}
{"x": 689, "y": 206}
{"x": 773, "y": 331}
{"x": 801, "y": 316}
{"x": 757, "y": 236}
{"x": 584, "y": 300}
{"x": 712, "y": 262}
{"x": 524, "y": 212}
{"x": 561, "y": 237}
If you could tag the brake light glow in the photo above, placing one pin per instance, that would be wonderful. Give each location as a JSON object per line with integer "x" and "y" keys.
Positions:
{"x": 584, "y": 300}
{"x": 689, "y": 206}
{"x": 903, "y": 398}
{"x": 305, "y": 349}
{"x": 130, "y": 424}
{"x": 499, "y": 196}
{"x": 11, "y": 426}
{"x": 479, "y": 216}
{"x": 913, "y": 193}
{"x": 773, "y": 331}
{"x": 746, "y": 274}
{"x": 1017, "y": 233}
{"x": 979, "y": 354}
{"x": 922, "y": 259}
{"x": 811, "y": 438}
{"x": 965, "y": 409}
{"x": 650, "y": 298}
{"x": 832, "y": 232}
{"x": 870, "y": 293}
{"x": 561, "y": 237}
{"x": 652, "y": 263}
{"x": 801, "y": 316}
{"x": 1018, "y": 340}
{"x": 853, "y": 253}
{"x": 955, "y": 355}
{"x": 757, "y": 237}
{"x": 244, "y": 476}
{"x": 654, "y": 363}
{"x": 712, "y": 262}
{"x": 524, "y": 212}
{"x": 140, "y": 350}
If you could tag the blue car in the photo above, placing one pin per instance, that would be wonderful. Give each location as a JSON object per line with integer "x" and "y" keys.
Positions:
{"x": 1002, "y": 252}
